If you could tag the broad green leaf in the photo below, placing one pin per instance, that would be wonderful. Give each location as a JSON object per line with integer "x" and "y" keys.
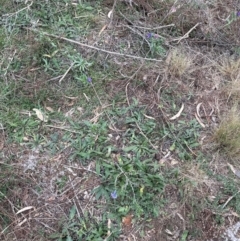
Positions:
{"x": 72, "y": 212}
{"x": 130, "y": 148}
{"x": 98, "y": 168}
{"x": 172, "y": 147}
{"x": 69, "y": 238}
{"x": 184, "y": 235}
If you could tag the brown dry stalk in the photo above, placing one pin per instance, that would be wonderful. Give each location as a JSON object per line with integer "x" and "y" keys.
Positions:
{"x": 95, "y": 48}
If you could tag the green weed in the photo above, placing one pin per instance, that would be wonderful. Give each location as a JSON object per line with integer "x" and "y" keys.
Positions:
{"x": 86, "y": 227}
{"x": 137, "y": 184}
{"x": 156, "y": 46}
{"x": 229, "y": 190}
{"x": 183, "y": 138}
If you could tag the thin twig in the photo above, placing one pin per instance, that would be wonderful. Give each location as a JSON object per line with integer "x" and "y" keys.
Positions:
{"x": 229, "y": 199}
{"x": 70, "y": 67}
{"x": 186, "y": 35}
{"x": 95, "y": 48}
{"x": 15, "y": 13}
{"x": 46, "y": 226}
{"x": 156, "y": 28}
{"x": 54, "y": 78}
{"x": 62, "y": 128}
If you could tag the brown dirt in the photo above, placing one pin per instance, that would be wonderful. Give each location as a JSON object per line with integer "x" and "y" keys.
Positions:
{"x": 41, "y": 170}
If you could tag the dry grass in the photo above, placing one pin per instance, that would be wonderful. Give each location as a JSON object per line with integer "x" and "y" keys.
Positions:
{"x": 227, "y": 136}
{"x": 178, "y": 62}
{"x": 232, "y": 89}
{"x": 230, "y": 67}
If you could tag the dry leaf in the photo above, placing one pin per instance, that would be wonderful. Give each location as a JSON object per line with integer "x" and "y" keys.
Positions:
{"x": 234, "y": 214}
{"x": 232, "y": 168}
{"x": 110, "y": 14}
{"x": 149, "y": 117}
{"x": 25, "y": 209}
{"x": 168, "y": 232}
{"x": 198, "y": 108}
{"x": 80, "y": 109}
{"x": 71, "y": 103}
{"x": 235, "y": 171}
{"x": 174, "y": 162}
{"x": 25, "y": 138}
{"x": 199, "y": 121}
{"x": 70, "y": 170}
{"x": 109, "y": 227}
{"x": 211, "y": 198}
{"x": 198, "y": 117}
{"x": 24, "y": 221}
{"x": 40, "y": 115}
{"x": 71, "y": 97}
{"x": 127, "y": 221}
{"x": 26, "y": 113}
{"x": 162, "y": 161}
{"x": 181, "y": 217}
{"x": 178, "y": 114}
{"x": 49, "y": 108}
{"x": 51, "y": 199}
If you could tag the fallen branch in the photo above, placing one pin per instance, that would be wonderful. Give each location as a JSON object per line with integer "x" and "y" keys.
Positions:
{"x": 95, "y": 48}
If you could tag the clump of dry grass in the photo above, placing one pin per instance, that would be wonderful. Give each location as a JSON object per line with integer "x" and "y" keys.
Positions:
{"x": 178, "y": 62}
{"x": 233, "y": 89}
{"x": 230, "y": 67}
{"x": 227, "y": 136}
